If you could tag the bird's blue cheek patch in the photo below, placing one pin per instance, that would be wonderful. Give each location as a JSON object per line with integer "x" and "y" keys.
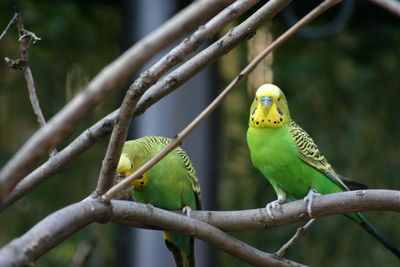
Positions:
{"x": 254, "y": 111}
{"x": 279, "y": 111}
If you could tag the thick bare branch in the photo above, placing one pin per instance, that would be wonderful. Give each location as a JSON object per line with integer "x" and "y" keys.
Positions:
{"x": 110, "y": 78}
{"x": 217, "y": 101}
{"x": 150, "y": 76}
{"x": 172, "y": 81}
{"x": 293, "y": 212}
{"x": 63, "y": 223}
{"x": 198, "y": 229}
{"x": 51, "y": 231}
{"x": 391, "y": 5}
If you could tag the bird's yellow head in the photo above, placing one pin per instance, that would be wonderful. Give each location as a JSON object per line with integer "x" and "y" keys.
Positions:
{"x": 125, "y": 165}
{"x": 269, "y": 108}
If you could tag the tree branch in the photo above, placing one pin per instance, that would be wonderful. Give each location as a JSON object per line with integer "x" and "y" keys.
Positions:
{"x": 58, "y": 226}
{"x": 198, "y": 229}
{"x": 217, "y": 101}
{"x": 293, "y": 212}
{"x": 234, "y": 37}
{"x": 150, "y": 76}
{"x": 60, "y": 161}
{"x": 165, "y": 86}
{"x": 82, "y": 253}
{"x": 9, "y": 25}
{"x": 109, "y": 79}
{"x": 391, "y": 5}
{"x": 25, "y": 39}
{"x": 301, "y": 231}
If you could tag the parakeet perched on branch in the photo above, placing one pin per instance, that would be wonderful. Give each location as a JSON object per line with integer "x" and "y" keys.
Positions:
{"x": 170, "y": 184}
{"x": 290, "y": 160}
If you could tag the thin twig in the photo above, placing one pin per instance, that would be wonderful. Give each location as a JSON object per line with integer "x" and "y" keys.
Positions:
{"x": 9, "y": 25}
{"x": 82, "y": 253}
{"x": 210, "y": 108}
{"x": 162, "y": 88}
{"x": 391, "y": 5}
{"x": 301, "y": 231}
{"x": 150, "y": 76}
{"x": 108, "y": 80}
{"x": 25, "y": 39}
{"x": 33, "y": 97}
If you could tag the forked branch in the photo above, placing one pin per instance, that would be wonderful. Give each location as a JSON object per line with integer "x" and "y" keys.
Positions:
{"x": 150, "y": 76}
{"x": 217, "y": 101}
{"x": 25, "y": 39}
{"x": 207, "y": 225}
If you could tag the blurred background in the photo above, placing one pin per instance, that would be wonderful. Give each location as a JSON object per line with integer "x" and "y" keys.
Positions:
{"x": 341, "y": 77}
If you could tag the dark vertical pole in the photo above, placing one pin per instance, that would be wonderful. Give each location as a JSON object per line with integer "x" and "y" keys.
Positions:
{"x": 145, "y": 248}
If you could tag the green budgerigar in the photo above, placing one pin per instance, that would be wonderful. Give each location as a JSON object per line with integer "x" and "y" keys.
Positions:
{"x": 170, "y": 184}
{"x": 290, "y": 160}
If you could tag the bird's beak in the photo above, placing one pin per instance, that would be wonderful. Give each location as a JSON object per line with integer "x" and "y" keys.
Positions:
{"x": 266, "y": 101}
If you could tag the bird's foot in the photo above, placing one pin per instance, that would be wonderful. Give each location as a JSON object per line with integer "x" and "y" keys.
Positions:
{"x": 276, "y": 204}
{"x": 309, "y": 199}
{"x": 186, "y": 210}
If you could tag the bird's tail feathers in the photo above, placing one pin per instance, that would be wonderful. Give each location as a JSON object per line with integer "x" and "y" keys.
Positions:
{"x": 182, "y": 259}
{"x": 352, "y": 185}
{"x": 374, "y": 232}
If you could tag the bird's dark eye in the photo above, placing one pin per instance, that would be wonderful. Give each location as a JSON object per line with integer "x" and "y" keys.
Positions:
{"x": 256, "y": 98}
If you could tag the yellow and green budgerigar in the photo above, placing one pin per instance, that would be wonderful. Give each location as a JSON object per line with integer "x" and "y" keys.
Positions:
{"x": 290, "y": 160}
{"x": 170, "y": 184}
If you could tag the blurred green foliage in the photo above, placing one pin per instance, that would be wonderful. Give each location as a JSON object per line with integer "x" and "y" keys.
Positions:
{"x": 343, "y": 90}
{"x": 78, "y": 40}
